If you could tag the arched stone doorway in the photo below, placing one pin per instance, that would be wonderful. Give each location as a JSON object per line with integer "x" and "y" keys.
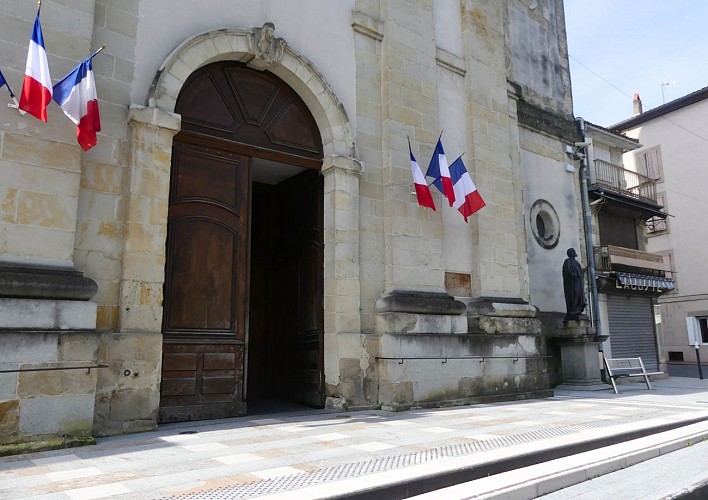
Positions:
{"x": 243, "y": 309}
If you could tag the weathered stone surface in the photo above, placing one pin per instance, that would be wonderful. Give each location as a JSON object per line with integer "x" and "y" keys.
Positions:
{"x": 502, "y": 309}
{"x": 9, "y": 419}
{"x": 419, "y": 302}
{"x": 47, "y": 314}
{"x": 70, "y": 414}
{"x": 46, "y": 286}
{"x": 127, "y": 393}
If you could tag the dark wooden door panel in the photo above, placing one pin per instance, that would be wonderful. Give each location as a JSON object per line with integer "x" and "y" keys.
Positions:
{"x": 212, "y": 389}
{"x": 204, "y": 318}
{"x": 299, "y": 257}
{"x": 202, "y": 288}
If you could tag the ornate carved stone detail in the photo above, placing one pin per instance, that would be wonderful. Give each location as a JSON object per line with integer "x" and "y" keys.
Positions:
{"x": 266, "y": 48}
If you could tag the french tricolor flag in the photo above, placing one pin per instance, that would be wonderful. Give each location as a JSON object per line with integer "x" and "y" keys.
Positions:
{"x": 467, "y": 198}
{"x": 422, "y": 191}
{"x": 438, "y": 169}
{"x": 37, "y": 85}
{"x": 76, "y": 94}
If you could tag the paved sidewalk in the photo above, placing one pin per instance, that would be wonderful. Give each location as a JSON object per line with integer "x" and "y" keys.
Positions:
{"x": 366, "y": 454}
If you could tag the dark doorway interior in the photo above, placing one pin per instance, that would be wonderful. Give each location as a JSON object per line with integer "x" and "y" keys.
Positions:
{"x": 285, "y": 320}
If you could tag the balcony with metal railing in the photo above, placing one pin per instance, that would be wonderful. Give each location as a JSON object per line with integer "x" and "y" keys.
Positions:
{"x": 634, "y": 269}
{"x": 625, "y": 182}
{"x": 614, "y": 258}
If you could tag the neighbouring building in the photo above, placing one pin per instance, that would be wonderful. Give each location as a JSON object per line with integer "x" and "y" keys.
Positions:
{"x": 245, "y": 229}
{"x": 623, "y": 200}
{"x": 674, "y": 137}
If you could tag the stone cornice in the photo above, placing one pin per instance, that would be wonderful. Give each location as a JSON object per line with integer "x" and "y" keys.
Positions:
{"x": 331, "y": 163}
{"x": 450, "y": 61}
{"x": 368, "y": 26}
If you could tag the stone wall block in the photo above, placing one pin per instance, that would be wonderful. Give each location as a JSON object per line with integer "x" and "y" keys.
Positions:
{"x": 71, "y": 414}
{"x": 121, "y": 22}
{"x": 144, "y": 267}
{"x": 145, "y": 239}
{"x": 56, "y": 383}
{"x": 103, "y": 266}
{"x": 131, "y": 383}
{"x": 107, "y": 317}
{"x": 8, "y": 386}
{"x": 101, "y": 206}
{"x": 28, "y": 150}
{"x": 9, "y": 419}
{"x": 40, "y": 209}
{"x": 136, "y": 318}
{"x": 8, "y": 204}
{"x": 52, "y": 181}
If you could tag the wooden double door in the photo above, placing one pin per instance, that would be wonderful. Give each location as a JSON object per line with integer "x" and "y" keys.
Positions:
{"x": 243, "y": 312}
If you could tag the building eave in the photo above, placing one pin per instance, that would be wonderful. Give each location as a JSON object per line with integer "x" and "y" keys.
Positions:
{"x": 662, "y": 110}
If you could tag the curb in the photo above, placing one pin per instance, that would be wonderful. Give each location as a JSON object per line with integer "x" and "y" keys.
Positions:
{"x": 424, "y": 483}
{"x": 544, "y": 478}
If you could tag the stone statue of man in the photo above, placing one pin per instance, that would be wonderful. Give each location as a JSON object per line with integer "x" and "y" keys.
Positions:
{"x": 573, "y": 286}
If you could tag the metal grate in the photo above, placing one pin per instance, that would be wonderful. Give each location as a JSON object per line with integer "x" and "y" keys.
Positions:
{"x": 371, "y": 466}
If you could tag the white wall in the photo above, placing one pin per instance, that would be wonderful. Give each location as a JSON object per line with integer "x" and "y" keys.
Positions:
{"x": 685, "y": 176}
{"x": 681, "y": 137}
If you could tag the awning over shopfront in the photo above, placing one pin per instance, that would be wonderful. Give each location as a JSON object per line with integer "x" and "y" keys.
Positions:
{"x": 643, "y": 280}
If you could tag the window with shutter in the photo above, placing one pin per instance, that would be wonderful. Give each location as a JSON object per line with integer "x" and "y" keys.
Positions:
{"x": 649, "y": 163}
{"x": 703, "y": 326}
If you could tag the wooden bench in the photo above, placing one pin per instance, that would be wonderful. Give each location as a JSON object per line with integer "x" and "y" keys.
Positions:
{"x": 627, "y": 367}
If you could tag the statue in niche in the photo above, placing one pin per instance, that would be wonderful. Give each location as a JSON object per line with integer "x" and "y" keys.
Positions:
{"x": 573, "y": 287}
{"x": 267, "y": 47}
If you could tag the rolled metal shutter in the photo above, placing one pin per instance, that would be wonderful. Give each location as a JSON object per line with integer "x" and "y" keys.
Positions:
{"x": 632, "y": 329}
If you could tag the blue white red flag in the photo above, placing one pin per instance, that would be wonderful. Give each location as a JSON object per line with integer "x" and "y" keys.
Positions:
{"x": 467, "y": 198}
{"x": 3, "y": 81}
{"x": 422, "y": 191}
{"x": 76, "y": 94}
{"x": 440, "y": 171}
{"x": 37, "y": 85}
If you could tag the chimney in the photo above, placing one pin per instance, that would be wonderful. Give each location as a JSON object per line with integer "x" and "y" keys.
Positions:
{"x": 637, "y": 105}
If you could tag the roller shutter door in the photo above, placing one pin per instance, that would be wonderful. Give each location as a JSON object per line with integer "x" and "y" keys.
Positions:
{"x": 632, "y": 329}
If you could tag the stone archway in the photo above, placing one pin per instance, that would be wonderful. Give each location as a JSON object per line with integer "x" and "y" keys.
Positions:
{"x": 151, "y": 130}
{"x": 241, "y": 45}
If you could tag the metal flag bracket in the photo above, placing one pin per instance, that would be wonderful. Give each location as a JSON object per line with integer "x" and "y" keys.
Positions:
{"x": 14, "y": 104}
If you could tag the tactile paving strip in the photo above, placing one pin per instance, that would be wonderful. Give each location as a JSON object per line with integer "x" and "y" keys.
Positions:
{"x": 364, "y": 467}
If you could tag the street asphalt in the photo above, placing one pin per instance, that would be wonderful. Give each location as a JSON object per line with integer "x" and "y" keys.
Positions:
{"x": 578, "y": 444}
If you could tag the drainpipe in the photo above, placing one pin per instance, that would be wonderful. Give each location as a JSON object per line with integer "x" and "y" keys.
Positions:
{"x": 595, "y": 313}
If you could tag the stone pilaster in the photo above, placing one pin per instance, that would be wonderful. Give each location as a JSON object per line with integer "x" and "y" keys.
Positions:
{"x": 145, "y": 208}
{"x": 342, "y": 288}
{"x": 127, "y": 394}
{"x": 499, "y": 265}
{"x": 413, "y": 235}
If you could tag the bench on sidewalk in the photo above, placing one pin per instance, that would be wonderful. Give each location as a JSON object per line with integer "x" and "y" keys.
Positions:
{"x": 627, "y": 367}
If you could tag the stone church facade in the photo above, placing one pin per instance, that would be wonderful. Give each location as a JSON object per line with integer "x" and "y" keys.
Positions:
{"x": 246, "y": 228}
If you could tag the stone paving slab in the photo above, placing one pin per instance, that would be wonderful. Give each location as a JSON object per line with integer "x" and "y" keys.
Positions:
{"x": 327, "y": 454}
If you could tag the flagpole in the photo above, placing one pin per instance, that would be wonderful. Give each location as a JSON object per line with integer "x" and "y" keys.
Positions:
{"x": 95, "y": 53}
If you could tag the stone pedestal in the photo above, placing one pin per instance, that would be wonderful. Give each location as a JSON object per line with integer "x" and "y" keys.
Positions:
{"x": 580, "y": 361}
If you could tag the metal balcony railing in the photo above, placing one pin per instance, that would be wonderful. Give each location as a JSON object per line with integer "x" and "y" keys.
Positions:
{"x": 626, "y": 182}
{"x": 609, "y": 256}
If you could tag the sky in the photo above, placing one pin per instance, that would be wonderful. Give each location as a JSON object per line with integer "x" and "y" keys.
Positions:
{"x": 621, "y": 47}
